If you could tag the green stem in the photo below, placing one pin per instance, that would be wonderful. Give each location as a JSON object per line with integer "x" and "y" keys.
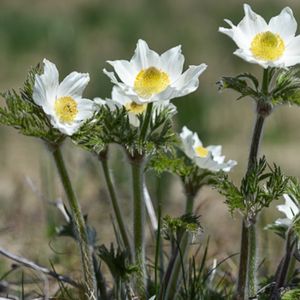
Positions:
{"x": 265, "y": 83}
{"x": 247, "y": 267}
{"x": 79, "y": 228}
{"x": 137, "y": 170}
{"x": 189, "y": 204}
{"x": 114, "y": 201}
{"x": 252, "y": 263}
{"x": 158, "y": 247}
{"x": 146, "y": 121}
{"x": 241, "y": 293}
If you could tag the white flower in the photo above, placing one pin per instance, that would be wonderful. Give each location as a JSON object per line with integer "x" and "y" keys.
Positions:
{"x": 269, "y": 45}
{"x": 290, "y": 209}
{"x": 63, "y": 102}
{"x": 209, "y": 158}
{"x": 119, "y": 99}
{"x": 150, "y": 77}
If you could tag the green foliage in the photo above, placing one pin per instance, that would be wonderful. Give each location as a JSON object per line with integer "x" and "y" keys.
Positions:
{"x": 206, "y": 282}
{"x": 283, "y": 86}
{"x": 233, "y": 197}
{"x": 90, "y": 136}
{"x": 177, "y": 163}
{"x": 117, "y": 261}
{"x": 287, "y": 87}
{"x": 246, "y": 84}
{"x": 23, "y": 114}
{"x": 293, "y": 190}
{"x": 169, "y": 162}
{"x": 291, "y": 295}
{"x": 113, "y": 126}
{"x": 279, "y": 229}
{"x": 260, "y": 186}
{"x": 174, "y": 228}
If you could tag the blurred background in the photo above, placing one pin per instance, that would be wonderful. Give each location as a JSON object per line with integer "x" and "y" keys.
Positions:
{"x": 81, "y": 35}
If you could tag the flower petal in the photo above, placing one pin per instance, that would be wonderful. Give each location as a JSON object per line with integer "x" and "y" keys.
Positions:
{"x": 143, "y": 57}
{"x": 293, "y": 47}
{"x": 172, "y": 62}
{"x": 45, "y": 87}
{"x": 228, "y": 165}
{"x": 187, "y": 83}
{"x": 133, "y": 120}
{"x": 68, "y": 129}
{"x": 86, "y": 108}
{"x": 73, "y": 85}
{"x": 125, "y": 70}
{"x": 289, "y": 208}
{"x": 252, "y": 23}
{"x": 187, "y": 142}
{"x": 284, "y": 24}
{"x": 247, "y": 56}
{"x": 283, "y": 222}
{"x": 125, "y": 88}
{"x": 119, "y": 96}
{"x": 215, "y": 150}
{"x": 240, "y": 38}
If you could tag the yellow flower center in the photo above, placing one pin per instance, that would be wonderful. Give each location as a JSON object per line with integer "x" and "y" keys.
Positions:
{"x": 150, "y": 81}
{"x": 135, "y": 107}
{"x": 66, "y": 109}
{"x": 201, "y": 151}
{"x": 267, "y": 46}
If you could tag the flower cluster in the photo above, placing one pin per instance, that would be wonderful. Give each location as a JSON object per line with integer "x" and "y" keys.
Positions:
{"x": 147, "y": 78}
{"x": 138, "y": 116}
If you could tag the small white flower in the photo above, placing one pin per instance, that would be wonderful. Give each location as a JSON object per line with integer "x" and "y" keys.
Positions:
{"x": 290, "y": 209}
{"x": 269, "y": 45}
{"x": 209, "y": 158}
{"x": 63, "y": 102}
{"x": 150, "y": 77}
{"x": 119, "y": 99}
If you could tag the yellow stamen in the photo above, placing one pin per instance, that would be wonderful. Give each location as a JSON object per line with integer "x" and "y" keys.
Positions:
{"x": 201, "y": 151}
{"x": 66, "y": 109}
{"x": 150, "y": 81}
{"x": 135, "y": 107}
{"x": 267, "y": 46}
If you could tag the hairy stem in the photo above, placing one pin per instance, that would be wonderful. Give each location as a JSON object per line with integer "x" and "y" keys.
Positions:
{"x": 115, "y": 204}
{"x": 189, "y": 204}
{"x": 137, "y": 170}
{"x": 158, "y": 247}
{"x": 79, "y": 228}
{"x": 146, "y": 121}
{"x": 243, "y": 272}
{"x": 247, "y": 268}
{"x": 252, "y": 261}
